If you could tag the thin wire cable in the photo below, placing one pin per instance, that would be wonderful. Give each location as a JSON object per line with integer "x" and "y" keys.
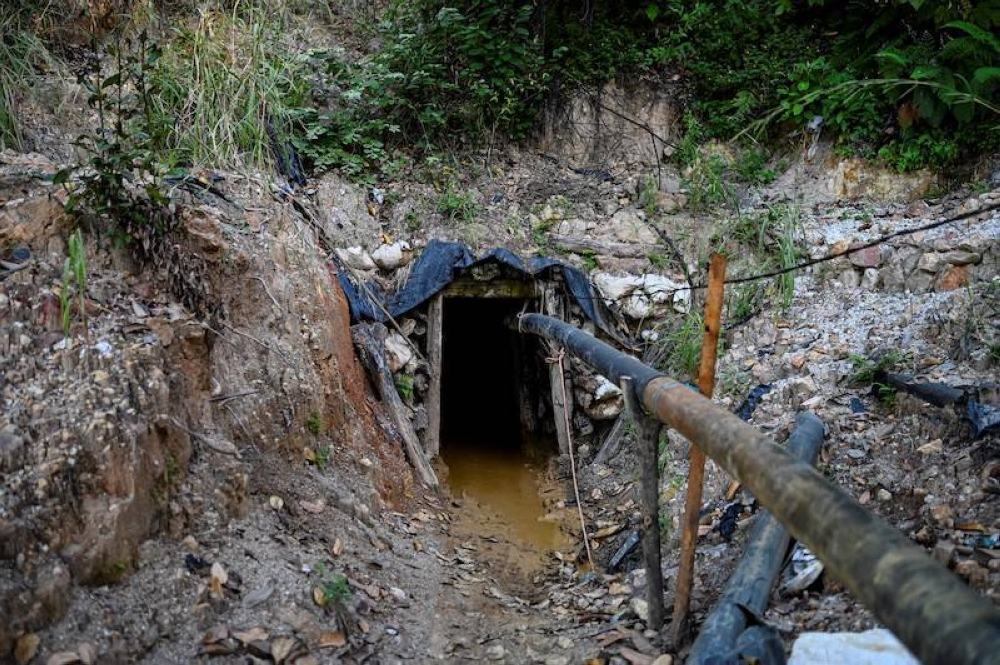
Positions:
{"x": 572, "y": 460}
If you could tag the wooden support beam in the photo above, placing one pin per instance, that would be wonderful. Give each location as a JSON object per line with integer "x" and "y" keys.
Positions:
{"x": 435, "y": 326}
{"x": 558, "y": 383}
{"x": 369, "y": 339}
{"x": 496, "y": 288}
{"x": 648, "y": 434}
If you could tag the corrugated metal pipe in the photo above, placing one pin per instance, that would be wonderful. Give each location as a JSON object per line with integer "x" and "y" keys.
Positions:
{"x": 929, "y": 609}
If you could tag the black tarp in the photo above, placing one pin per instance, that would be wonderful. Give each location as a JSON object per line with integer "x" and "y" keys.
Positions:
{"x": 442, "y": 262}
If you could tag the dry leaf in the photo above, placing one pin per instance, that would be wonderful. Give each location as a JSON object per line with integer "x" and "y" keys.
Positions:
{"x": 634, "y": 657}
{"x": 610, "y": 637}
{"x": 417, "y": 545}
{"x": 255, "y": 634}
{"x": 364, "y": 626}
{"x": 313, "y": 507}
{"x": 319, "y": 597}
{"x": 26, "y": 648}
{"x": 217, "y": 634}
{"x": 282, "y": 648}
{"x": 333, "y": 640}
{"x": 608, "y": 531}
{"x": 865, "y": 497}
{"x": 88, "y": 653}
{"x": 219, "y": 573}
{"x": 338, "y": 547}
{"x": 309, "y": 454}
{"x": 971, "y": 526}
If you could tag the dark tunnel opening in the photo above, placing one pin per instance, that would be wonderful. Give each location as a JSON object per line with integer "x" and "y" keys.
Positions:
{"x": 496, "y": 421}
{"x": 480, "y": 377}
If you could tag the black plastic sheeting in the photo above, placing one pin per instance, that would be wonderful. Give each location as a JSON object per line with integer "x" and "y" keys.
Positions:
{"x": 442, "y": 262}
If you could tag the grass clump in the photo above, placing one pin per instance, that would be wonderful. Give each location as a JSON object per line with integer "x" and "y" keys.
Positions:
{"x": 22, "y": 56}
{"x": 231, "y": 88}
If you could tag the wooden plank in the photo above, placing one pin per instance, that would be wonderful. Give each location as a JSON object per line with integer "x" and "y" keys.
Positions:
{"x": 553, "y": 307}
{"x": 369, "y": 339}
{"x": 435, "y": 326}
{"x": 497, "y": 288}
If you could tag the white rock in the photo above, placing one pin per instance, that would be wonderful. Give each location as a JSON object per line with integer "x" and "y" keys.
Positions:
{"x": 682, "y": 302}
{"x": 397, "y": 351}
{"x": 640, "y": 607}
{"x": 495, "y": 652}
{"x": 615, "y": 287}
{"x": 607, "y": 401}
{"x": 390, "y": 257}
{"x": 637, "y": 306}
{"x": 872, "y": 647}
{"x": 356, "y": 258}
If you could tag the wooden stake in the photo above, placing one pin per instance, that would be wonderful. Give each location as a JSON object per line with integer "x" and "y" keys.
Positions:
{"x": 648, "y": 433}
{"x": 435, "y": 326}
{"x": 696, "y": 473}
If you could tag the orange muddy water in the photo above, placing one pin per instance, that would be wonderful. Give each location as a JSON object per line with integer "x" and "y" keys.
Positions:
{"x": 507, "y": 490}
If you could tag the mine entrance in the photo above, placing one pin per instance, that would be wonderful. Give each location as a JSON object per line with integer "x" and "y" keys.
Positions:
{"x": 494, "y": 390}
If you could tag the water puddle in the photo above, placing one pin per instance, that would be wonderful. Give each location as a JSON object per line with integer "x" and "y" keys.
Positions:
{"x": 501, "y": 494}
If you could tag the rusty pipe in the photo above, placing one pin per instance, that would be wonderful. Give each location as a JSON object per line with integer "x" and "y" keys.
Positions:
{"x": 929, "y": 609}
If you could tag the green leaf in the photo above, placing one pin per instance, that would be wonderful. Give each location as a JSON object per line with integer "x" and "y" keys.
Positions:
{"x": 62, "y": 176}
{"x": 652, "y": 11}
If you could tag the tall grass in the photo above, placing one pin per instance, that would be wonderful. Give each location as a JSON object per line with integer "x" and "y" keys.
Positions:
{"x": 225, "y": 78}
{"x": 22, "y": 57}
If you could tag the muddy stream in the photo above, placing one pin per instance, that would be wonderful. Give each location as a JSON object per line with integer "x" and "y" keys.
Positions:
{"x": 511, "y": 502}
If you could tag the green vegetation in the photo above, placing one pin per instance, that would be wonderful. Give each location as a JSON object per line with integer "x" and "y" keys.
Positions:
{"x": 314, "y": 423}
{"x": 404, "y": 384}
{"x": 868, "y": 371}
{"x": 911, "y": 82}
{"x": 679, "y": 346}
{"x": 118, "y": 188}
{"x": 74, "y": 277}
{"x": 229, "y": 87}
{"x": 23, "y": 56}
{"x": 335, "y": 587}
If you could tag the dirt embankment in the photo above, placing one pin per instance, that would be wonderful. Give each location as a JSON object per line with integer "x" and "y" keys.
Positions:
{"x": 126, "y": 416}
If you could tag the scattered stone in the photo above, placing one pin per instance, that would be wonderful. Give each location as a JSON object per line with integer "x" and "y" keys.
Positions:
{"x": 884, "y": 495}
{"x": 945, "y": 552}
{"x": 943, "y": 515}
{"x": 640, "y": 607}
{"x": 870, "y": 257}
{"x": 495, "y": 652}
{"x": 63, "y": 658}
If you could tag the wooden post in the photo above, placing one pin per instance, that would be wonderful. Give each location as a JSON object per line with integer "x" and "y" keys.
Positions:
{"x": 648, "y": 434}
{"x": 369, "y": 339}
{"x": 435, "y": 326}
{"x": 696, "y": 472}
{"x": 558, "y": 382}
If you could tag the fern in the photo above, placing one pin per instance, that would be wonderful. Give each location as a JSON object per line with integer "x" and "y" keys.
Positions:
{"x": 977, "y": 33}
